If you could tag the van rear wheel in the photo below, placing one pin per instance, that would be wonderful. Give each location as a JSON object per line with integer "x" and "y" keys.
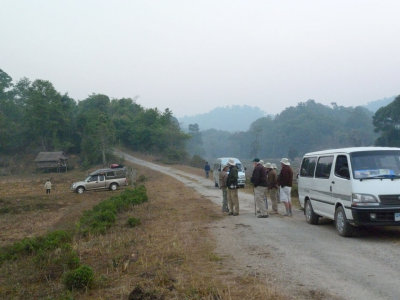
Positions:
{"x": 342, "y": 225}
{"x": 311, "y": 216}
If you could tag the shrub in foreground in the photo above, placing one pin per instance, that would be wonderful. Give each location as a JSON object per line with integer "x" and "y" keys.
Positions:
{"x": 35, "y": 245}
{"x": 103, "y": 215}
{"x": 79, "y": 278}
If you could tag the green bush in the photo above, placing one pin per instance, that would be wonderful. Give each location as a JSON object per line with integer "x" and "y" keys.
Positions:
{"x": 52, "y": 264}
{"x": 29, "y": 246}
{"x": 132, "y": 222}
{"x": 79, "y": 278}
{"x": 103, "y": 215}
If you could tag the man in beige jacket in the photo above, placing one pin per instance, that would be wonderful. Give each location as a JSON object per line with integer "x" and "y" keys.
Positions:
{"x": 272, "y": 184}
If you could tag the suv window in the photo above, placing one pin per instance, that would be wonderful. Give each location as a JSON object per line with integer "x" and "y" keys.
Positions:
{"x": 324, "y": 167}
{"x": 308, "y": 167}
{"x": 342, "y": 167}
{"x": 93, "y": 178}
{"x": 110, "y": 174}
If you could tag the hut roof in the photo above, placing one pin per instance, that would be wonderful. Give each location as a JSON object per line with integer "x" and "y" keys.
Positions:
{"x": 50, "y": 156}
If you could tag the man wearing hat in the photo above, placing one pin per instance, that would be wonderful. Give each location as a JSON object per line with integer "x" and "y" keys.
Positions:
{"x": 232, "y": 184}
{"x": 259, "y": 180}
{"x": 285, "y": 180}
{"x": 272, "y": 184}
{"x": 223, "y": 176}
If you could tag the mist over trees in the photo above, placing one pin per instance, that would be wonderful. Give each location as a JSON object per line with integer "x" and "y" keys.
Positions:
{"x": 231, "y": 118}
{"x": 35, "y": 117}
{"x": 309, "y": 126}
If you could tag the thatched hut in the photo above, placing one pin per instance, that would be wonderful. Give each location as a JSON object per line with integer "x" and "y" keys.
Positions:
{"x": 52, "y": 161}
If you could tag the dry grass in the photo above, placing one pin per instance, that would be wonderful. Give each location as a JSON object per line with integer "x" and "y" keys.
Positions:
{"x": 170, "y": 255}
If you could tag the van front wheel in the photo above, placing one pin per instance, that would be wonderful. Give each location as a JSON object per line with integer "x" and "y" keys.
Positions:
{"x": 311, "y": 216}
{"x": 342, "y": 225}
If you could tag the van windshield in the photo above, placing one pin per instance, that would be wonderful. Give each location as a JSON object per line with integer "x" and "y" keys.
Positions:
{"x": 240, "y": 167}
{"x": 375, "y": 164}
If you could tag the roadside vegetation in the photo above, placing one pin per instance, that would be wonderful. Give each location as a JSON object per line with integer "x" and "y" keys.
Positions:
{"x": 160, "y": 248}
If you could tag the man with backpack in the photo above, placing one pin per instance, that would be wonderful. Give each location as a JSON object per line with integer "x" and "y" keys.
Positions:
{"x": 232, "y": 184}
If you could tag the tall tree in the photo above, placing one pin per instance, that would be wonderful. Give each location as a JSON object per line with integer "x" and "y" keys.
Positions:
{"x": 44, "y": 114}
{"x": 194, "y": 145}
{"x": 96, "y": 129}
{"x": 387, "y": 122}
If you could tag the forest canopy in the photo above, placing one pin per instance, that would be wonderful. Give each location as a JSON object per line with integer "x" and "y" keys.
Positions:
{"x": 35, "y": 117}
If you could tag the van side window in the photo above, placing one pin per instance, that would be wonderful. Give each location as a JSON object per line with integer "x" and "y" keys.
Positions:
{"x": 324, "y": 167}
{"x": 342, "y": 167}
{"x": 308, "y": 166}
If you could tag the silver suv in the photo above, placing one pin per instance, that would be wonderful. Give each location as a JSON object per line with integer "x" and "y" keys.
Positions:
{"x": 111, "y": 179}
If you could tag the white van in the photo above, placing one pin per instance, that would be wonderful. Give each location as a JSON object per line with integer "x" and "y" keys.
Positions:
{"x": 352, "y": 186}
{"x": 222, "y": 161}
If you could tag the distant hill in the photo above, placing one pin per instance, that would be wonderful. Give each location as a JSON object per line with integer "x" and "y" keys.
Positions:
{"x": 230, "y": 118}
{"x": 377, "y": 104}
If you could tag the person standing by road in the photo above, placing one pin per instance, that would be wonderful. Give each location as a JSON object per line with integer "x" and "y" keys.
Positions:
{"x": 285, "y": 180}
{"x": 259, "y": 180}
{"x": 47, "y": 186}
{"x": 272, "y": 184}
{"x": 207, "y": 169}
{"x": 223, "y": 176}
{"x": 232, "y": 184}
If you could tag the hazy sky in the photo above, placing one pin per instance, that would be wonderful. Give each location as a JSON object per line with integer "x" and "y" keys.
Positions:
{"x": 192, "y": 56}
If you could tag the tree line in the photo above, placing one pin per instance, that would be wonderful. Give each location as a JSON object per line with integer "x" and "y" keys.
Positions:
{"x": 34, "y": 117}
{"x": 307, "y": 127}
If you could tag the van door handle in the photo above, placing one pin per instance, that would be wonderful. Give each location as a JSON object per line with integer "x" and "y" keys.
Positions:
{"x": 333, "y": 182}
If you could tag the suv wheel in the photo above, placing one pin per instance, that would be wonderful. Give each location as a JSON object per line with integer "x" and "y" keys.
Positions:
{"x": 113, "y": 186}
{"x": 80, "y": 190}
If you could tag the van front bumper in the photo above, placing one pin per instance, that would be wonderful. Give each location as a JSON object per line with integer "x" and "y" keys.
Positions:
{"x": 376, "y": 216}
{"x": 241, "y": 183}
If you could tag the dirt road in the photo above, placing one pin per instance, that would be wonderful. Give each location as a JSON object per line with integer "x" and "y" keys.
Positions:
{"x": 304, "y": 261}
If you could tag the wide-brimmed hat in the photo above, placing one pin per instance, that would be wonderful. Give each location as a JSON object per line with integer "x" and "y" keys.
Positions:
{"x": 261, "y": 162}
{"x": 273, "y": 166}
{"x": 268, "y": 165}
{"x": 285, "y": 161}
{"x": 231, "y": 162}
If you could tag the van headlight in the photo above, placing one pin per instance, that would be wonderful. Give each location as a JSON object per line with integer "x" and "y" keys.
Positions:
{"x": 364, "y": 199}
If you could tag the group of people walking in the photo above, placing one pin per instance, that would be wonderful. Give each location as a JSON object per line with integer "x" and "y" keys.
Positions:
{"x": 267, "y": 184}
